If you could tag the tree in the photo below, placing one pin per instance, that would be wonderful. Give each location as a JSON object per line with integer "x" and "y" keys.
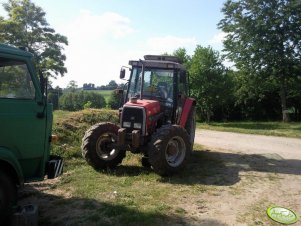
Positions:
{"x": 255, "y": 96}
{"x": 112, "y": 85}
{"x": 209, "y": 83}
{"x": 115, "y": 99}
{"x": 264, "y": 39}
{"x": 72, "y": 86}
{"x": 26, "y": 26}
{"x": 54, "y": 95}
{"x": 74, "y": 101}
{"x": 181, "y": 53}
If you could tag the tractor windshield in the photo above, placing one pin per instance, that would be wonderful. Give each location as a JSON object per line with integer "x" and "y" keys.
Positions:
{"x": 157, "y": 84}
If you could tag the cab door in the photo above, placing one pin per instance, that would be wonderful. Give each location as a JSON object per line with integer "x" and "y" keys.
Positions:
{"x": 22, "y": 126}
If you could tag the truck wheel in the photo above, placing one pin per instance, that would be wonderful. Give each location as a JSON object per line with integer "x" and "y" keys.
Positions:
{"x": 190, "y": 125}
{"x": 97, "y": 149}
{"x": 8, "y": 197}
{"x": 169, "y": 150}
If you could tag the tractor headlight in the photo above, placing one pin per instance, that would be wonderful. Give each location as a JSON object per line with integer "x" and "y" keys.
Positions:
{"x": 127, "y": 124}
{"x": 137, "y": 125}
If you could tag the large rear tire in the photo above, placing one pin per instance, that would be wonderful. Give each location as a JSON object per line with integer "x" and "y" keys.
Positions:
{"x": 169, "y": 150}
{"x": 8, "y": 198}
{"x": 96, "y": 147}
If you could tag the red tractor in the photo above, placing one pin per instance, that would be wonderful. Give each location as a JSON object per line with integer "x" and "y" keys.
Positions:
{"x": 156, "y": 119}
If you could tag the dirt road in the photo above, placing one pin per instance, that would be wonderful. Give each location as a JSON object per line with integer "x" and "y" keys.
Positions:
{"x": 287, "y": 148}
{"x": 263, "y": 170}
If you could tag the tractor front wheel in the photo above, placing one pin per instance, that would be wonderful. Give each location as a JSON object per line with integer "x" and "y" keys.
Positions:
{"x": 97, "y": 146}
{"x": 169, "y": 150}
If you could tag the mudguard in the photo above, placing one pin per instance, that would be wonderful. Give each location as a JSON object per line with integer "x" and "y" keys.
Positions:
{"x": 189, "y": 102}
{"x": 9, "y": 158}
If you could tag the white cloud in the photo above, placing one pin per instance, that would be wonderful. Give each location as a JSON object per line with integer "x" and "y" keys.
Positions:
{"x": 218, "y": 39}
{"x": 90, "y": 26}
{"x": 100, "y": 44}
{"x": 92, "y": 55}
{"x": 159, "y": 45}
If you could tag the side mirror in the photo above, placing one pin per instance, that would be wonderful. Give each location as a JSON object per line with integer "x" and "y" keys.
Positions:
{"x": 183, "y": 78}
{"x": 122, "y": 73}
{"x": 43, "y": 83}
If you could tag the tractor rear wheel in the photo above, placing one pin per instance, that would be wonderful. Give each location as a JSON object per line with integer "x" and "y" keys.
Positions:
{"x": 97, "y": 146}
{"x": 169, "y": 150}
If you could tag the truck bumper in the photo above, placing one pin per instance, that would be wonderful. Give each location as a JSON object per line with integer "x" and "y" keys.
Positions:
{"x": 55, "y": 166}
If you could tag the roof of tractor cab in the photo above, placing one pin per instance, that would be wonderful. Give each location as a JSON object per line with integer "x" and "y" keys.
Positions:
{"x": 158, "y": 61}
{"x": 14, "y": 50}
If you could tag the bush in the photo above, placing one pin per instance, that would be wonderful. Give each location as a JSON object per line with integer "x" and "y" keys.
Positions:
{"x": 71, "y": 126}
{"x": 115, "y": 100}
{"x": 75, "y": 101}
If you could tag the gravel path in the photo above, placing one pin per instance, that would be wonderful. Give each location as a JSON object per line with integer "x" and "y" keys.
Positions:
{"x": 287, "y": 148}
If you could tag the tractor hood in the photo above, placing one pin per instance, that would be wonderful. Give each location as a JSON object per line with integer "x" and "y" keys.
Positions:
{"x": 140, "y": 111}
{"x": 152, "y": 107}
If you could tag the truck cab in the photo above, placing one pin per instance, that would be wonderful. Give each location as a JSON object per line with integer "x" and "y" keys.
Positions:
{"x": 25, "y": 126}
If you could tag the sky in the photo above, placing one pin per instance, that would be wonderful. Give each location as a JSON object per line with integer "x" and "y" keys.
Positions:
{"x": 104, "y": 35}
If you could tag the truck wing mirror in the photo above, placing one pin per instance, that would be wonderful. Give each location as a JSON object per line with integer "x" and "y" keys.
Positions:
{"x": 122, "y": 73}
{"x": 43, "y": 82}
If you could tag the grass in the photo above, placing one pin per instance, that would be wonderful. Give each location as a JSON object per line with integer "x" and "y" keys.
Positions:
{"x": 128, "y": 195}
{"x": 105, "y": 93}
{"x": 292, "y": 129}
{"x": 131, "y": 194}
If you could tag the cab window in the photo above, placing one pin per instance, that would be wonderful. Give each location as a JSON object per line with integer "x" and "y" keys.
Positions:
{"x": 15, "y": 80}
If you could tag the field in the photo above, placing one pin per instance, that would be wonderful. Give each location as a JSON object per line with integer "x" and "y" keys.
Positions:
{"x": 292, "y": 129}
{"x": 105, "y": 93}
{"x": 216, "y": 188}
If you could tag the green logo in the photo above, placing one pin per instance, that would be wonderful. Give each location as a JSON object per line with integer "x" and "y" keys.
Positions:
{"x": 282, "y": 215}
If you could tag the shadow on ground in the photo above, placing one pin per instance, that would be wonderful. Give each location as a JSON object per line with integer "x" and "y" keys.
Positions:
{"x": 59, "y": 210}
{"x": 222, "y": 169}
{"x": 219, "y": 168}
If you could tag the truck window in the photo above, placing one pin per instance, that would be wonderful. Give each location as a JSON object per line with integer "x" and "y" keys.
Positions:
{"x": 15, "y": 80}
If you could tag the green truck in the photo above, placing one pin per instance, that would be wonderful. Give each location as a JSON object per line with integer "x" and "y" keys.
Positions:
{"x": 25, "y": 127}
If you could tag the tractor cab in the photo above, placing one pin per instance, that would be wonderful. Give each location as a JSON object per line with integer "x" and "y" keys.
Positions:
{"x": 158, "y": 78}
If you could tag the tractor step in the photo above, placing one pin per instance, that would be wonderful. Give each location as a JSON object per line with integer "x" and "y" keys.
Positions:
{"x": 54, "y": 166}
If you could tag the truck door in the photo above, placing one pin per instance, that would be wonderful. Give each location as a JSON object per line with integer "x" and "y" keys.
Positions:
{"x": 21, "y": 131}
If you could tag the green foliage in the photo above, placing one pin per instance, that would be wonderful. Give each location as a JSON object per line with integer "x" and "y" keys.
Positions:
{"x": 261, "y": 128}
{"x": 88, "y": 105}
{"x": 115, "y": 100}
{"x": 26, "y": 26}
{"x": 263, "y": 39}
{"x": 72, "y": 86}
{"x": 105, "y": 93}
{"x": 74, "y": 101}
{"x": 112, "y": 85}
{"x": 53, "y": 97}
{"x": 71, "y": 127}
{"x": 209, "y": 82}
{"x": 181, "y": 53}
